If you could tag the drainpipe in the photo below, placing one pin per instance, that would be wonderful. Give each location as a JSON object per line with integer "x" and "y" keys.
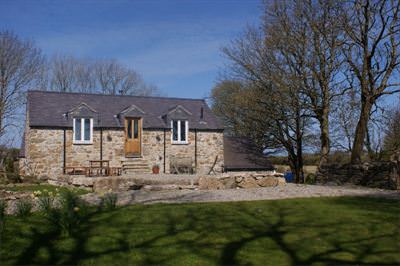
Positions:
{"x": 64, "y": 152}
{"x": 101, "y": 144}
{"x": 195, "y": 150}
{"x": 164, "y": 150}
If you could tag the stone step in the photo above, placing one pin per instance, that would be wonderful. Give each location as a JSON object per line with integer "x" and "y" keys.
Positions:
{"x": 135, "y": 164}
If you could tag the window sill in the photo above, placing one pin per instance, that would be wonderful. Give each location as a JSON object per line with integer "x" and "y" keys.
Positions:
{"x": 82, "y": 142}
{"x": 180, "y": 143}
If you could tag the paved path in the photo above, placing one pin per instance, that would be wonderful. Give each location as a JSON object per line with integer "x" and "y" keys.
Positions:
{"x": 270, "y": 193}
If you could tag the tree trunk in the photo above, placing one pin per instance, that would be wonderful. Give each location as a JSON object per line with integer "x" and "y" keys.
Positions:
{"x": 299, "y": 149}
{"x": 368, "y": 145}
{"x": 325, "y": 141}
{"x": 358, "y": 145}
{"x": 296, "y": 166}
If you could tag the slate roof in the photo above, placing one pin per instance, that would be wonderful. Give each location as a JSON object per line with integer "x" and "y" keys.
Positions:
{"x": 241, "y": 155}
{"x": 56, "y": 109}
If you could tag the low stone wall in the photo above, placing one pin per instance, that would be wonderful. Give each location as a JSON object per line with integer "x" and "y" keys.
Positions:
{"x": 371, "y": 174}
{"x": 172, "y": 182}
{"x": 241, "y": 180}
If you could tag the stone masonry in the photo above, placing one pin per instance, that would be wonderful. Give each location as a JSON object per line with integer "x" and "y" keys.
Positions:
{"x": 44, "y": 150}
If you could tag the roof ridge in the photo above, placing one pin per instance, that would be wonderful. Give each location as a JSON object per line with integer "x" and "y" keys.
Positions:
{"x": 110, "y": 95}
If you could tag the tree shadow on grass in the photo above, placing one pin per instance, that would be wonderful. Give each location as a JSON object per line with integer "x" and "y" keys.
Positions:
{"x": 218, "y": 233}
{"x": 277, "y": 231}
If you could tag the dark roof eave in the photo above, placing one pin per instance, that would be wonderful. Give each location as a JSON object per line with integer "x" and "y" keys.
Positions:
{"x": 121, "y": 127}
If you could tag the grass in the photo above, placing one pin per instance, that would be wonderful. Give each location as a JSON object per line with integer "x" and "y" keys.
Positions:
{"x": 323, "y": 231}
{"x": 42, "y": 187}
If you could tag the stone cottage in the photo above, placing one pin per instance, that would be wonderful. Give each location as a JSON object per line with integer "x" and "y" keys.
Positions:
{"x": 66, "y": 130}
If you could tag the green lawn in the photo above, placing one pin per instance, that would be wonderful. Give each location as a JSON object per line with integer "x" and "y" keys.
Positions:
{"x": 327, "y": 231}
{"x": 43, "y": 187}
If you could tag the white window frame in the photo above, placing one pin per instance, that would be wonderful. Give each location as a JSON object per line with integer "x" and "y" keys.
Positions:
{"x": 82, "y": 140}
{"x": 179, "y": 141}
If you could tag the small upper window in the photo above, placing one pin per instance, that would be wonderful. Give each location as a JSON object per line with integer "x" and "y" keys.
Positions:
{"x": 83, "y": 130}
{"x": 180, "y": 131}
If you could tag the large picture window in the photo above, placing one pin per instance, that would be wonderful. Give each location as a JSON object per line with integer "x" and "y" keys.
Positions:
{"x": 83, "y": 130}
{"x": 180, "y": 131}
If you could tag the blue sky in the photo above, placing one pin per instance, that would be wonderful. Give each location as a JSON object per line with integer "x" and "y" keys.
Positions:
{"x": 174, "y": 44}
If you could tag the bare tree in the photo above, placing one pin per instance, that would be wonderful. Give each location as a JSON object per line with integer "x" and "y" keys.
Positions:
{"x": 308, "y": 34}
{"x": 391, "y": 142}
{"x": 228, "y": 98}
{"x": 272, "y": 112}
{"x": 70, "y": 74}
{"x": 324, "y": 61}
{"x": 372, "y": 55}
{"x": 115, "y": 78}
{"x": 344, "y": 117}
{"x": 21, "y": 64}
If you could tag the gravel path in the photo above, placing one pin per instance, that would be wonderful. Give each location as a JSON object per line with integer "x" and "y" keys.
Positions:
{"x": 270, "y": 193}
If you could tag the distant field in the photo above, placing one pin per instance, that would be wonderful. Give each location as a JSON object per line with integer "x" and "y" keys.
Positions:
{"x": 308, "y": 169}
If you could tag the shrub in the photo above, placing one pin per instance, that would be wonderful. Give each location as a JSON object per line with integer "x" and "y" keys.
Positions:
{"x": 68, "y": 215}
{"x": 310, "y": 179}
{"x": 3, "y": 206}
{"x": 45, "y": 199}
{"x": 109, "y": 201}
{"x": 24, "y": 207}
{"x": 14, "y": 178}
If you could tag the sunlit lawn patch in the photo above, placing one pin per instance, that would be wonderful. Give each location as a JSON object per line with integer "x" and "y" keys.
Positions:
{"x": 43, "y": 187}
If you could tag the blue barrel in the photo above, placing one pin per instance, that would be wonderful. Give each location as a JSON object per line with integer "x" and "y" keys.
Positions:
{"x": 288, "y": 177}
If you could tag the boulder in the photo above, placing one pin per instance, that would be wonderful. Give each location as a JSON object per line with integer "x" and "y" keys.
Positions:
{"x": 258, "y": 176}
{"x": 229, "y": 182}
{"x": 268, "y": 182}
{"x": 83, "y": 181}
{"x": 281, "y": 181}
{"x": 111, "y": 184}
{"x": 248, "y": 182}
{"x": 160, "y": 187}
{"x": 238, "y": 179}
{"x": 207, "y": 182}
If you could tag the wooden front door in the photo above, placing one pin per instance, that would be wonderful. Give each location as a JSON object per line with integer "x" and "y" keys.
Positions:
{"x": 133, "y": 136}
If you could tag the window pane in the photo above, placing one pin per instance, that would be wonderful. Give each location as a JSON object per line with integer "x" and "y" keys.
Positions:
{"x": 87, "y": 129}
{"x": 135, "y": 129}
{"x": 78, "y": 129}
{"x": 175, "y": 130}
{"x": 183, "y": 131}
{"x": 129, "y": 129}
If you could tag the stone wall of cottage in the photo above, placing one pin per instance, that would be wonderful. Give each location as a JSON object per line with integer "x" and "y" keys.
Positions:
{"x": 44, "y": 150}
{"x": 210, "y": 149}
{"x": 43, "y": 153}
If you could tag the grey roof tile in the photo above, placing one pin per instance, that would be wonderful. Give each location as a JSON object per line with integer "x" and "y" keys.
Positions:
{"x": 48, "y": 109}
{"x": 240, "y": 154}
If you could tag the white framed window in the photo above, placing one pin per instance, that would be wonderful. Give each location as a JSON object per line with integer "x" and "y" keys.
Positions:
{"x": 180, "y": 132}
{"x": 83, "y": 131}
